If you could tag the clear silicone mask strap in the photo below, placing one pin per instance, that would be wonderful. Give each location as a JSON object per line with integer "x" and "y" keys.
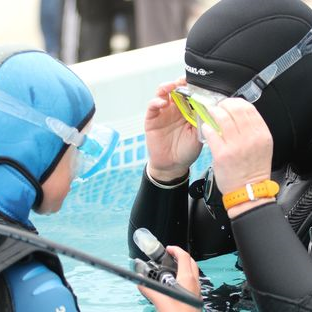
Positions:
{"x": 17, "y": 109}
{"x": 252, "y": 90}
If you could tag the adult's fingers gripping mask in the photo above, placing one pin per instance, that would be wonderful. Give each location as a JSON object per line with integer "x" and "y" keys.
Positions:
{"x": 194, "y": 109}
{"x": 93, "y": 149}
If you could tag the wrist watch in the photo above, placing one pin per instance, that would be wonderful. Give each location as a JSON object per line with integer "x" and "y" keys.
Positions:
{"x": 250, "y": 192}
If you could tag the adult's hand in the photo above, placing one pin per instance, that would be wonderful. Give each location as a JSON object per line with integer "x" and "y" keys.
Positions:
{"x": 243, "y": 153}
{"x": 171, "y": 141}
{"x": 187, "y": 277}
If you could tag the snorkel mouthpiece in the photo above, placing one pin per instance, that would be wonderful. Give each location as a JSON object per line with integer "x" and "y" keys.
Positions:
{"x": 148, "y": 243}
{"x": 162, "y": 267}
{"x": 154, "y": 249}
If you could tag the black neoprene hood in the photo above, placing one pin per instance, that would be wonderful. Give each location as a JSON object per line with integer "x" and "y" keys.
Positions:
{"x": 235, "y": 40}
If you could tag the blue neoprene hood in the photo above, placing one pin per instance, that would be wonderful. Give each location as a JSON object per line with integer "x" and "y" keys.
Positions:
{"x": 50, "y": 87}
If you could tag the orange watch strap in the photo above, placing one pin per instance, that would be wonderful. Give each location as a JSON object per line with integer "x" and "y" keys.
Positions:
{"x": 265, "y": 189}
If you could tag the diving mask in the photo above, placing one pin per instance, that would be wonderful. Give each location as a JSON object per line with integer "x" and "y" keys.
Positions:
{"x": 193, "y": 107}
{"x": 93, "y": 149}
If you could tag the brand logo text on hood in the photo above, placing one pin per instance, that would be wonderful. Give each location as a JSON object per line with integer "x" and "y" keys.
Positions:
{"x": 196, "y": 71}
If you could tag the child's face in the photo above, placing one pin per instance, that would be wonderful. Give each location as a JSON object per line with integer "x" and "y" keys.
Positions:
{"x": 57, "y": 186}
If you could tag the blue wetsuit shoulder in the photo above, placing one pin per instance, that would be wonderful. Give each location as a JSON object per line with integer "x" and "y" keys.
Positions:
{"x": 33, "y": 287}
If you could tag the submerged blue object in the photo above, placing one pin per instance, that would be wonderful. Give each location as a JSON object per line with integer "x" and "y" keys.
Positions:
{"x": 44, "y": 84}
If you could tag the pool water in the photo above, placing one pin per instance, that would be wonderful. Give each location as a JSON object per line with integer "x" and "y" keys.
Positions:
{"x": 94, "y": 219}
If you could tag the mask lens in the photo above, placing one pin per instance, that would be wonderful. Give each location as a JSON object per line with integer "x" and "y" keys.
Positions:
{"x": 200, "y": 135}
{"x": 96, "y": 150}
{"x": 185, "y": 107}
{"x": 204, "y": 114}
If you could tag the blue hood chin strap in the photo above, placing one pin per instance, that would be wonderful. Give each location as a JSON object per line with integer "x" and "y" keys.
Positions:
{"x": 16, "y": 203}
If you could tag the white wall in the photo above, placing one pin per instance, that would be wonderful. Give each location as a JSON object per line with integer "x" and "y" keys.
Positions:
{"x": 19, "y": 22}
{"x": 122, "y": 84}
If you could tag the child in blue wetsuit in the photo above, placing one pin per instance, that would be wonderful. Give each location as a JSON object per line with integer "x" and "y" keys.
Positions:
{"x": 47, "y": 139}
{"x": 35, "y": 89}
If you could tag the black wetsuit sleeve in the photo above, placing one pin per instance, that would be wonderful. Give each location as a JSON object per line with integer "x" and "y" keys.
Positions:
{"x": 277, "y": 266}
{"x": 164, "y": 212}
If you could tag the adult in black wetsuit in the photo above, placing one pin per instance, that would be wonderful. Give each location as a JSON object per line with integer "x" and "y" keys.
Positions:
{"x": 277, "y": 266}
{"x": 234, "y": 40}
{"x": 231, "y": 42}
